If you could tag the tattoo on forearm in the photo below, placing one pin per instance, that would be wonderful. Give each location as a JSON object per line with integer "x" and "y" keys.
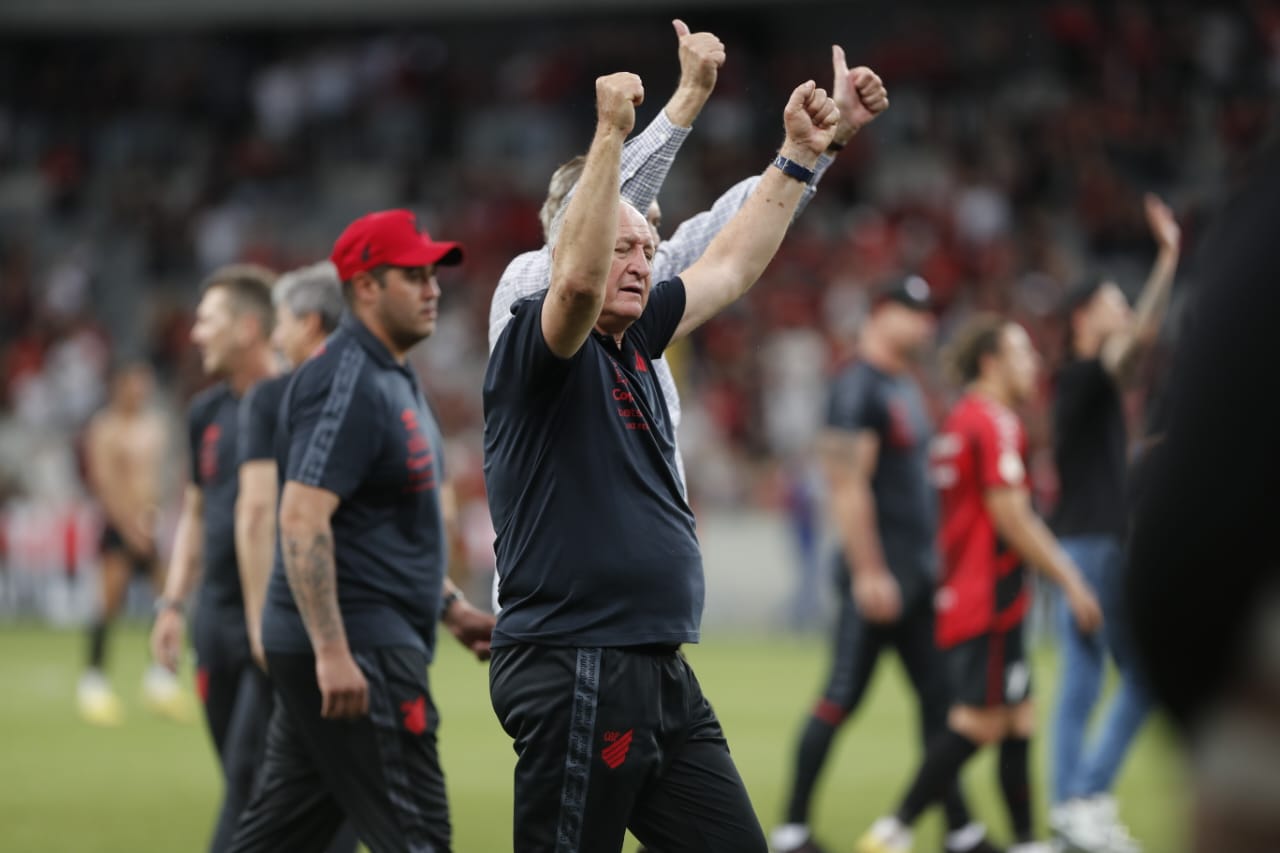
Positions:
{"x": 312, "y": 577}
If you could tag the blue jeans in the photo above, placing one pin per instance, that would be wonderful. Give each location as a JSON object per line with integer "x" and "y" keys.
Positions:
{"x": 1077, "y": 771}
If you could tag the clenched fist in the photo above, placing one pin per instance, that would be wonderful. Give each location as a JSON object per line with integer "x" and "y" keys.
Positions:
{"x": 810, "y": 118}
{"x": 617, "y": 96}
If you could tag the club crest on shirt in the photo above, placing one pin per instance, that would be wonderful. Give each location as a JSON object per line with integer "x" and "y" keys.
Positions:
{"x": 1011, "y": 468}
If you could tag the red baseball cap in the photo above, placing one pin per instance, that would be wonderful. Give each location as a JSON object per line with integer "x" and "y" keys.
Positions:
{"x": 389, "y": 237}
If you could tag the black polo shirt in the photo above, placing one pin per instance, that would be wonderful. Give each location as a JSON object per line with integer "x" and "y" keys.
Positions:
{"x": 354, "y": 422}
{"x": 1089, "y": 449}
{"x": 866, "y": 398}
{"x": 595, "y": 542}
{"x": 212, "y": 426}
{"x": 259, "y": 411}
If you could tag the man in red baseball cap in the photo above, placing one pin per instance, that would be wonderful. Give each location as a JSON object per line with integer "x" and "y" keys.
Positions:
{"x": 383, "y": 260}
{"x": 358, "y": 585}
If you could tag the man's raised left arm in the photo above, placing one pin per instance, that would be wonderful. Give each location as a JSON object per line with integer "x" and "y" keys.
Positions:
{"x": 738, "y": 255}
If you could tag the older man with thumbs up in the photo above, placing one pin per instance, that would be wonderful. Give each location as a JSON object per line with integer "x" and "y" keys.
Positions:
{"x": 602, "y": 572}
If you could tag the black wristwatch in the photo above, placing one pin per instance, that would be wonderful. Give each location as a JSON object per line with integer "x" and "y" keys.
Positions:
{"x": 449, "y": 598}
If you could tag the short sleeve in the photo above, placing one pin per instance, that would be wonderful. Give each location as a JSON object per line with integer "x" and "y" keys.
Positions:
{"x": 661, "y": 317}
{"x": 335, "y": 425}
{"x": 195, "y": 429}
{"x": 521, "y": 361}
{"x": 255, "y": 437}
{"x": 998, "y": 446}
{"x": 856, "y": 404}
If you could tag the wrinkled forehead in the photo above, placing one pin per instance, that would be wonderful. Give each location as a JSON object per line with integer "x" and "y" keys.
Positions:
{"x": 632, "y": 225}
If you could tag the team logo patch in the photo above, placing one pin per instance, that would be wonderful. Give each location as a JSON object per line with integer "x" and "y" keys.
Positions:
{"x": 415, "y": 715}
{"x": 619, "y": 744}
{"x": 1010, "y": 467}
{"x": 202, "y": 684}
{"x": 209, "y": 452}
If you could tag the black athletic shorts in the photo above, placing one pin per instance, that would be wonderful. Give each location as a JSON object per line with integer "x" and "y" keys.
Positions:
{"x": 616, "y": 739}
{"x": 113, "y": 541}
{"x": 990, "y": 670}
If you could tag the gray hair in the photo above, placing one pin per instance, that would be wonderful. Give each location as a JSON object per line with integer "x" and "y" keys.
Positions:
{"x": 563, "y": 181}
{"x": 557, "y": 225}
{"x": 313, "y": 289}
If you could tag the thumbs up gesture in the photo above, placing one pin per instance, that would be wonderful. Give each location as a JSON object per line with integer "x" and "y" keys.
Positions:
{"x": 701, "y": 55}
{"x": 859, "y": 94}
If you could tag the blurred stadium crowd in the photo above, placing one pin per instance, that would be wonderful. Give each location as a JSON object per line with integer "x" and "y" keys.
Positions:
{"x": 1014, "y": 159}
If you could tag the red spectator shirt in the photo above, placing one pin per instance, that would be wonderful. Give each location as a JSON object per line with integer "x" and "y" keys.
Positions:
{"x": 981, "y": 446}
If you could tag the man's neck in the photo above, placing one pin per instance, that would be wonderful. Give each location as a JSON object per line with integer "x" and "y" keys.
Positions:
{"x": 256, "y": 365}
{"x": 1086, "y": 346}
{"x": 380, "y": 333}
{"x": 991, "y": 391}
{"x": 311, "y": 347}
{"x": 617, "y": 336}
{"x": 877, "y": 352}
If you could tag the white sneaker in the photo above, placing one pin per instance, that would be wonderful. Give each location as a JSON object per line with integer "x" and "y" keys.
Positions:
{"x": 886, "y": 835}
{"x": 1106, "y": 816}
{"x": 789, "y": 837}
{"x": 97, "y": 702}
{"x": 1076, "y": 826}
{"x": 1035, "y": 847}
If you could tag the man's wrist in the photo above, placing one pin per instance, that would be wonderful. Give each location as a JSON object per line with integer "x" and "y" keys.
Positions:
{"x": 170, "y": 603}
{"x": 793, "y": 170}
{"x": 686, "y": 103}
{"x": 797, "y": 153}
{"x": 447, "y": 601}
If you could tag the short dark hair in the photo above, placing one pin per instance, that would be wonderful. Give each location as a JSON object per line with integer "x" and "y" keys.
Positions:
{"x": 249, "y": 286}
{"x": 978, "y": 338}
{"x": 379, "y": 274}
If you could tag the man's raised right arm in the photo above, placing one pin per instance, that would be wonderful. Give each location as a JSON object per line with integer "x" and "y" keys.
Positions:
{"x": 583, "y": 242}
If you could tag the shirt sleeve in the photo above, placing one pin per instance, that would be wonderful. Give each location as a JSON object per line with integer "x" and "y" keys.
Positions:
{"x": 521, "y": 361}
{"x": 998, "y": 446}
{"x": 661, "y": 316}
{"x": 856, "y": 405}
{"x": 255, "y": 436}
{"x": 195, "y": 426}
{"x": 647, "y": 158}
{"x": 524, "y": 276}
{"x": 677, "y": 253}
{"x": 336, "y": 426}
{"x": 690, "y": 240}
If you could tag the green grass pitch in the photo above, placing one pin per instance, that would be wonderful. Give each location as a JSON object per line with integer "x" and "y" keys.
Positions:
{"x": 152, "y": 785}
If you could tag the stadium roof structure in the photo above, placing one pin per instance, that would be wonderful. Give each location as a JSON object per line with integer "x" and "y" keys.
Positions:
{"x": 78, "y": 15}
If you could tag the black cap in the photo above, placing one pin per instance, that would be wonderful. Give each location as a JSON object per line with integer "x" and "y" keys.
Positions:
{"x": 911, "y": 290}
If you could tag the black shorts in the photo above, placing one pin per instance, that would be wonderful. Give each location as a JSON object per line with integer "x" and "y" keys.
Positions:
{"x": 615, "y": 739}
{"x": 113, "y": 542}
{"x": 990, "y": 670}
